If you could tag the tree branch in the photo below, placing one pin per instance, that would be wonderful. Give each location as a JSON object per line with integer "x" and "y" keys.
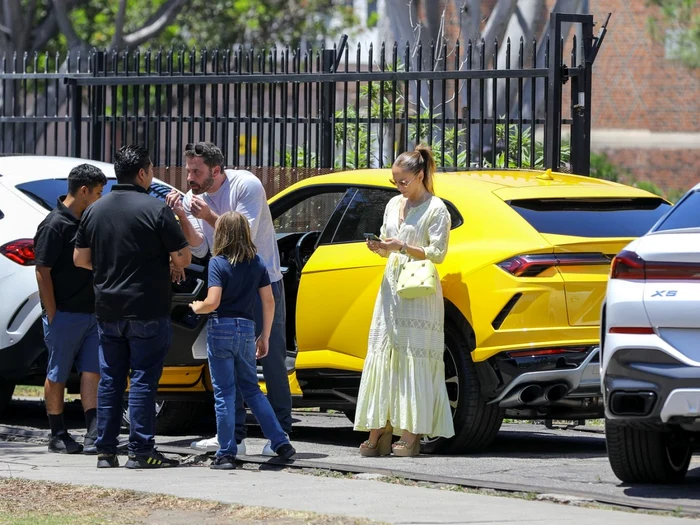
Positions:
{"x": 496, "y": 25}
{"x": 165, "y": 15}
{"x": 65, "y": 25}
{"x": 117, "y": 39}
{"x": 47, "y": 28}
{"x": 13, "y": 20}
{"x": 30, "y": 11}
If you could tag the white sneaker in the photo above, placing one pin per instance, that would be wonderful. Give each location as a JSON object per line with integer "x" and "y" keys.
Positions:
{"x": 212, "y": 445}
{"x": 206, "y": 445}
{"x": 267, "y": 449}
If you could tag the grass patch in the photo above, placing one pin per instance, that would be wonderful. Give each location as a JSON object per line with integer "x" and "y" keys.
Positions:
{"x": 38, "y": 391}
{"x": 29, "y": 391}
{"x": 25, "y": 502}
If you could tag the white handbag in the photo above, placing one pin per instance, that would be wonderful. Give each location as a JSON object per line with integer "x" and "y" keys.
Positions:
{"x": 417, "y": 279}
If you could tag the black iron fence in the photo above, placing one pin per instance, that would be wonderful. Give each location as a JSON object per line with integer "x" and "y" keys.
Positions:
{"x": 303, "y": 111}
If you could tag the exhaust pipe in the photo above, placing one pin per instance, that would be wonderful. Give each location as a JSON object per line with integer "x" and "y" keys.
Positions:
{"x": 632, "y": 403}
{"x": 550, "y": 394}
{"x": 530, "y": 393}
{"x": 555, "y": 392}
{"x": 521, "y": 396}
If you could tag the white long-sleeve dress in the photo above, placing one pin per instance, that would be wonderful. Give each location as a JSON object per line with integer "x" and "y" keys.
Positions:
{"x": 403, "y": 379}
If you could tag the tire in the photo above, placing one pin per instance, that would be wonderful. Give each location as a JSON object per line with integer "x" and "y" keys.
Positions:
{"x": 647, "y": 456}
{"x": 476, "y": 423}
{"x": 7, "y": 388}
{"x": 173, "y": 417}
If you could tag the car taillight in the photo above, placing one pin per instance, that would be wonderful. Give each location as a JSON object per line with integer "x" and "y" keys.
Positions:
{"x": 533, "y": 265}
{"x": 20, "y": 251}
{"x": 629, "y": 265}
{"x": 636, "y": 330}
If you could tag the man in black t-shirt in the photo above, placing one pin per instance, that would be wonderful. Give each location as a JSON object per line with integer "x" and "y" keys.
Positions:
{"x": 68, "y": 301}
{"x": 130, "y": 239}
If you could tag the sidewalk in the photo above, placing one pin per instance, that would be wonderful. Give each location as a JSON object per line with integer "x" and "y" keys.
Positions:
{"x": 361, "y": 498}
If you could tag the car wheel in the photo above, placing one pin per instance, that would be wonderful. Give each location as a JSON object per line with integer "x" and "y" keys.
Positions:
{"x": 7, "y": 388}
{"x": 476, "y": 423}
{"x": 647, "y": 456}
{"x": 172, "y": 417}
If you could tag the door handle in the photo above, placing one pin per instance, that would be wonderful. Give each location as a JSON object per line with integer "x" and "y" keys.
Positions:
{"x": 187, "y": 298}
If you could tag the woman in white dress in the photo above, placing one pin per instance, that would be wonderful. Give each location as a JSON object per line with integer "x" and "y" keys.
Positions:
{"x": 403, "y": 390}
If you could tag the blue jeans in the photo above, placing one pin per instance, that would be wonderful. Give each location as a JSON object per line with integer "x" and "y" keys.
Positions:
{"x": 273, "y": 365}
{"x": 133, "y": 349}
{"x": 231, "y": 353}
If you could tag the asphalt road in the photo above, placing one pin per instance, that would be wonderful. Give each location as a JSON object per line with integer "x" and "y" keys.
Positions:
{"x": 556, "y": 461}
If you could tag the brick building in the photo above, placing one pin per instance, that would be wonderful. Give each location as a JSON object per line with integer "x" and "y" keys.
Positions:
{"x": 646, "y": 107}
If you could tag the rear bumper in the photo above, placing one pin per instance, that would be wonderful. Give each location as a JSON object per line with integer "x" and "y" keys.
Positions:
{"x": 682, "y": 403}
{"x": 20, "y": 306}
{"x": 649, "y": 386}
{"x": 576, "y": 374}
{"x": 26, "y": 356}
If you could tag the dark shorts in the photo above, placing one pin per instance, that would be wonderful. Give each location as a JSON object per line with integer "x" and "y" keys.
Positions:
{"x": 71, "y": 339}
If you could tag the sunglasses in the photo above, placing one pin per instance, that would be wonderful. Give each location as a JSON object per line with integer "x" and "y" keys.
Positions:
{"x": 402, "y": 183}
{"x": 197, "y": 148}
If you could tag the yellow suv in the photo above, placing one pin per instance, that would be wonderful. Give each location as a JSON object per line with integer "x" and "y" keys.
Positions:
{"x": 523, "y": 282}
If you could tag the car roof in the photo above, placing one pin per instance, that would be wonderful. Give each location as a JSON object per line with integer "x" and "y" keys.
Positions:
{"x": 506, "y": 184}
{"x": 20, "y": 168}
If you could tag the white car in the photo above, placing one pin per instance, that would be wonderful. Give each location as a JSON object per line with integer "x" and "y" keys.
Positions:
{"x": 650, "y": 335}
{"x": 29, "y": 189}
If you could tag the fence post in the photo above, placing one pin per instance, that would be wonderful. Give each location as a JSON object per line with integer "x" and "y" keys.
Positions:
{"x": 97, "y": 121}
{"x": 327, "y": 111}
{"x": 553, "y": 123}
{"x": 581, "y": 105}
{"x": 76, "y": 116}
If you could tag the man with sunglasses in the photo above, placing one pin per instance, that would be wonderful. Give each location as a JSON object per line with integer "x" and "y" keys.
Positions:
{"x": 214, "y": 191}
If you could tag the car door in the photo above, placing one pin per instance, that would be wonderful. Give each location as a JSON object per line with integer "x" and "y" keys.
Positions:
{"x": 189, "y": 336}
{"x": 339, "y": 285}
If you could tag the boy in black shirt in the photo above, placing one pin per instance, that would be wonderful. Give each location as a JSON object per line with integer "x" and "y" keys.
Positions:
{"x": 68, "y": 299}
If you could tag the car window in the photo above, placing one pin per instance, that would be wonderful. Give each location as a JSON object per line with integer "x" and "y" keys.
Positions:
{"x": 46, "y": 192}
{"x": 685, "y": 214}
{"x": 596, "y": 217}
{"x": 364, "y": 214}
{"x": 309, "y": 214}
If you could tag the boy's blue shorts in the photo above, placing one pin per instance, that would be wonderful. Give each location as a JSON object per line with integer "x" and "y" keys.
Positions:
{"x": 71, "y": 338}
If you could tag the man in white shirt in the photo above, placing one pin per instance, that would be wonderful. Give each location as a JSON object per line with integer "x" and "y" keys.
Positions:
{"x": 214, "y": 191}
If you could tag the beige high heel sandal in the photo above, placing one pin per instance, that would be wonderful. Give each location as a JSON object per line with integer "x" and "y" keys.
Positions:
{"x": 382, "y": 447}
{"x": 404, "y": 449}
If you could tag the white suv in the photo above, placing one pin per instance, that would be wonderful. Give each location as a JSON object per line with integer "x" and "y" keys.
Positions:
{"x": 29, "y": 189}
{"x": 650, "y": 335}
